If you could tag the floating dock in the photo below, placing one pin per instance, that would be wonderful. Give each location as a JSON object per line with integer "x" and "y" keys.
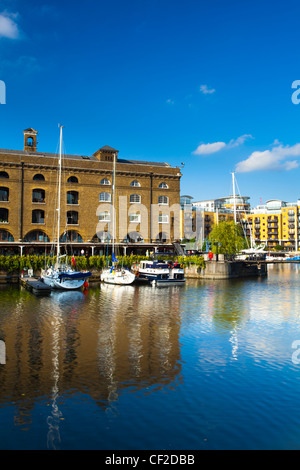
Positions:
{"x": 35, "y": 286}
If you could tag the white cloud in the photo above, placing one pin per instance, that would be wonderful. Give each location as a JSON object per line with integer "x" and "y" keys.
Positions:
{"x": 206, "y": 91}
{"x": 205, "y": 149}
{"x": 278, "y": 158}
{"x": 169, "y": 101}
{"x": 214, "y": 147}
{"x": 8, "y": 26}
{"x": 240, "y": 140}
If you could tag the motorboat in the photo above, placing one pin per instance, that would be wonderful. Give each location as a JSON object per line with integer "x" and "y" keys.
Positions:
{"x": 159, "y": 273}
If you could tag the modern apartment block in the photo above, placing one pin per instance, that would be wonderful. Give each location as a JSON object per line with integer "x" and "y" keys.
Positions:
{"x": 146, "y": 210}
{"x": 198, "y": 218}
{"x": 274, "y": 223}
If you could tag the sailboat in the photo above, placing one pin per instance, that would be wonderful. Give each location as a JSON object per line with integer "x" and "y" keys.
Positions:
{"x": 254, "y": 251}
{"x": 61, "y": 275}
{"x": 115, "y": 274}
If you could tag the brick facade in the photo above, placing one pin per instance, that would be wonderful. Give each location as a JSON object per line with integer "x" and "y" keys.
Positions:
{"x": 28, "y": 193}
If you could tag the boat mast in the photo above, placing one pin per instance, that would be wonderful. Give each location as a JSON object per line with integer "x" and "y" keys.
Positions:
{"x": 113, "y": 203}
{"x": 59, "y": 193}
{"x": 234, "y": 202}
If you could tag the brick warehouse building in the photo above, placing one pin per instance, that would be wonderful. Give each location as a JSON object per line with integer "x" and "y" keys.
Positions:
{"x": 147, "y": 201}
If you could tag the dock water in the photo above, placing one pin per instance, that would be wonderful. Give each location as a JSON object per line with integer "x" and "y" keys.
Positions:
{"x": 34, "y": 285}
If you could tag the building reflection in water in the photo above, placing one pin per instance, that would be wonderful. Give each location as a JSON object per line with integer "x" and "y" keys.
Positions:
{"x": 114, "y": 338}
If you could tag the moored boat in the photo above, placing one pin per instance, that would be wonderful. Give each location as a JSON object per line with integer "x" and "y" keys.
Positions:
{"x": 116, "y": 274}
{"x": 159, "y": 273}
{"x": 62, "y": 276}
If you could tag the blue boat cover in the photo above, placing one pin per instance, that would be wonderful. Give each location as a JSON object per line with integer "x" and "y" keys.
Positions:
{"x": 74, "y": 275}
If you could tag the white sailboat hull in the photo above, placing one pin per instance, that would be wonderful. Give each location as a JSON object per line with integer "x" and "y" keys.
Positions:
{"x": 117, "y": 277}
{"x": 55, "y": 279}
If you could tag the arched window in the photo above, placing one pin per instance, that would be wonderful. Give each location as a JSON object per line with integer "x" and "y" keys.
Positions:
{"x": 72, "y": 197}
{"x": 3, "y": 216}
{"x": 104, "y": 197}
{"x": 134, "y": 237}
{"x": 102, "y": 236}
{"x": 72, "y": 179}
{"x": 38, "y": 217}
{"x": 72, "y": 218}
{"x": 4, "y": 194}
{"x": 71, "y": 236}
{"x": 39, "y": 177}
{"x": 3, "y": 174}
{"x": 163, "y": 186}
{"x": 29, "y": 142}
{"x": 6, "y": 236}
{"x": 36, "y": 236}
{"x": 38, "y": 195}
{"x": 162, "y": 237}
{"x": 135, "y": 183}
{"x": 105, "y": 181}
{"x": 163, "y": 200}
{"x": 135, "y": 198}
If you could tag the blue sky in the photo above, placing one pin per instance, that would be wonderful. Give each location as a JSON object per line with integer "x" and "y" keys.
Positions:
{"x": 204, "y": 83}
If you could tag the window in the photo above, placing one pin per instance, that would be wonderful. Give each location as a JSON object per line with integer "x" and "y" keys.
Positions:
{"x": 38, "y": 195}
{"x": 3, "y": 216}
{"x": 72, "y": 197}
{"x": 104, "y": 216}
{"x": 163, "y": 219}
{"x": 29, "y": 142}
{"x": 36, "y": 236}
{"x": 105, "y": 181}
{"x": 163, "y": 200}
{"x": 162, "y": 237}
{"x": 38, "y": 217}
{"x": 102, "y": 237}
{"x": 134, "y": 237}
{"x": 135, "y": 198}
{"x": 72, "y": 179}
{"x": 163, "y": 186}
{"x": 4, "y": 194}
{"x": 39, "y": 177}
{"x": 135, "y": 183}
{"x": 135, "y": 218}
{"x": 5, "y": 236}
{"x": 72, "y": 218}
{"x": 71, "y": 236}
{"x": 104, "y": 197}
{"x": 3, "y": 174}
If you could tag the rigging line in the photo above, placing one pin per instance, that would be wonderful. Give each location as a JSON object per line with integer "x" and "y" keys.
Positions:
{"x": 68, "y": 241}
{"x": 244, "y": 230}
{"x": 109, "y": 223}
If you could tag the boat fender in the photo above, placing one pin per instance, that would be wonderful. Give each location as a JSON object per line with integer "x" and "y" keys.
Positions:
{"x": 86, "y": 284}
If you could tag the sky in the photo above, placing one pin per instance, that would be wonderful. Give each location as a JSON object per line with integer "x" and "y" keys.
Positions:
{"x": 208, "y": 86}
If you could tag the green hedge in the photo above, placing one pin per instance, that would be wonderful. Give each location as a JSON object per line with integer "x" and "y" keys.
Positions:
{"x": 22, "y": 263}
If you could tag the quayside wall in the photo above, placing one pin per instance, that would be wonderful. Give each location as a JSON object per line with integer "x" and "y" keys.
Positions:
{"x": 220, "y": 268}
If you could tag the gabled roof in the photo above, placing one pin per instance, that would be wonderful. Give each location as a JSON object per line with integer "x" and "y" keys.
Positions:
{"x": 107, "y": 148}
{"x": 30, "y": 129}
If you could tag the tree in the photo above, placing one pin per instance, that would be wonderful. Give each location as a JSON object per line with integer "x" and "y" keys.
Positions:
{"x": 228, "y": 236}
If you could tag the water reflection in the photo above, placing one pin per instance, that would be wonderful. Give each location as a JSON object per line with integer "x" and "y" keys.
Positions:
{"x": 111, "y": 339}
{"x": 215, "y": 356}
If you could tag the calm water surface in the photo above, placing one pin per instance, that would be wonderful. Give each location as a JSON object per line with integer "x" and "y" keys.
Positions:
{"x": 205, "y": 366}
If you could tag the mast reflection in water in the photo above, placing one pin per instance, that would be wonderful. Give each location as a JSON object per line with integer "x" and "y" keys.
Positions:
{"x": 95, "y": 343}
{"x": 207, "y": 365}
